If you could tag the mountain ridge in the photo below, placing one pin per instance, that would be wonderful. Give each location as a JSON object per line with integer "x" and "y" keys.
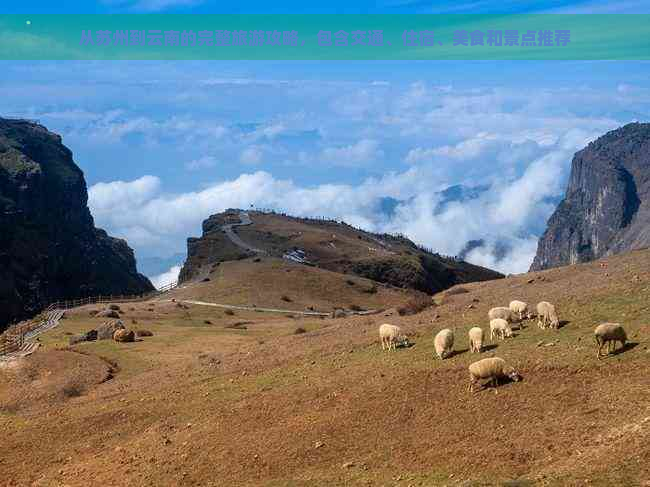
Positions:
{"x": 606, "y": 208}
{"x": 50, "y": 248}
{"x": 331, "y": 245}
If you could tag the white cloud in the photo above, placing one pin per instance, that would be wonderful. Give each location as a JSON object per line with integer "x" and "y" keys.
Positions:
{"x": 166, "y": 277}
{"x": 205, "y": 162}
{"x": 517, "y": 144}
{"x": 251, "y": 155}
{"x": 517, "y": 260}
{"x": 504, "y": 214}
{"x": 271, "y": 131}
{"x": 360, "y": 153}
{"x": 106, "y": 196}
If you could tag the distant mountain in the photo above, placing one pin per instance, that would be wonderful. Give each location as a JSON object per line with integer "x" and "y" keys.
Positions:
{"x": 49, "y": 246}
{"x": 154, "y": 266}
{"x": 330, "y": 245}
{"x": 606, "y": 209}
{"x": 458, "y": 193}
{"x": 388, "y": 205}
{"x": 501, "y": 249}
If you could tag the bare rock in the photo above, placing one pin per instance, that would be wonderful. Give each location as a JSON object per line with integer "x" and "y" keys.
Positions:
{"x": 124, "y": 336}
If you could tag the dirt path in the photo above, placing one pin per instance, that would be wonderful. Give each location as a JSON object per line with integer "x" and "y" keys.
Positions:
{"x": 245, "y": 219}
{"x": 251, "y": 308}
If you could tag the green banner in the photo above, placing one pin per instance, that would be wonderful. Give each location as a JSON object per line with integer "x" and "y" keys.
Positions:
{"x": 326, "y": 37}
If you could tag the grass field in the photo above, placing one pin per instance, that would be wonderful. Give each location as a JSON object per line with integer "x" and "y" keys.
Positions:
{"x": 258, "y": 404}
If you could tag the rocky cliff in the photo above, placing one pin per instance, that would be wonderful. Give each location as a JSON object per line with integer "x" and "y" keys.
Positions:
{"x": 49, "y": 246}
{"x": 606, "y": 209}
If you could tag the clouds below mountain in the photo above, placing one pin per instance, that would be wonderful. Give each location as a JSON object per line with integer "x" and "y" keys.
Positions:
{"x": 164, "y": 145}
{"x": 508, "y": 210}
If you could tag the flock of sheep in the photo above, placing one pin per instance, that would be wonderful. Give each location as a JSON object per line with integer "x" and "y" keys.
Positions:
{"x": 493, "y": 369}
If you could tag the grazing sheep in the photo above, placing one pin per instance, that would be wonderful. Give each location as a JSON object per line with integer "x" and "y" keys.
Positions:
{"x": 503, "y": 313}
{"x": 390, "y": 335}
{"x": 546, "y": 315}
{"x": 520, "y": 308}
{"x": 493, "y": 368}
{"x": 475, "y": 339}
{"x": 608, "y": 334}
{"x": 444, "y": 343}
{"x": 500, "y": 328}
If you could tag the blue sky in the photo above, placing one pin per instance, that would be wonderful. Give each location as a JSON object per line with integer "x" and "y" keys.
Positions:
{"x": 165, "y": 144}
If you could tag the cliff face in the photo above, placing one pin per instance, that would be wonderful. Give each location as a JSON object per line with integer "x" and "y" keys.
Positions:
{"x": 606, "y": 209}
{"x": 49, "y": 246}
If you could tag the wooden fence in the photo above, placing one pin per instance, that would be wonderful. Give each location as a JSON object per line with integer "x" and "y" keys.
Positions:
{"x": 13, "y": 338}
{"x": 11, "y": 343}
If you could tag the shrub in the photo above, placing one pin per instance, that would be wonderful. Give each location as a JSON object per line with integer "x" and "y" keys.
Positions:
{"x": 299, "y": 330}
{"x": 371, "y": 290}
{"x": 73, "y": 387}
{"x": 415, "y": 305}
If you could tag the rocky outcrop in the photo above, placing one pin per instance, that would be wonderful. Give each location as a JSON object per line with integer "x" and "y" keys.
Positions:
{"x": 49, "y": 247}
{"x": 606, "y": 209}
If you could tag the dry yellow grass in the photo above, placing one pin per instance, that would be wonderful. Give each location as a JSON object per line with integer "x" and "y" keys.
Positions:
{"x": 265, "y": 283}
{"x": 200, "y": 404}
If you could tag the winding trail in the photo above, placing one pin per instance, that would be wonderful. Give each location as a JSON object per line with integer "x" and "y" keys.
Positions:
{"x": 255, "y": 308}
{"x": 244, "y": 219}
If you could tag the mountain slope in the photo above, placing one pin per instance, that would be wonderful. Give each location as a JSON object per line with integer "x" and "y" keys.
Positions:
{"x": 330, "y": 245}
{"x": 246, "y": 400}
{"x": 606, "y": 209}
{"x": 49, "y": 246}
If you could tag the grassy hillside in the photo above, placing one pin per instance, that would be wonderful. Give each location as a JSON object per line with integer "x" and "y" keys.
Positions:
{"x": 227, "y": 403}
{"x": 334, "y": 246}
{"x": 278, "y": 283}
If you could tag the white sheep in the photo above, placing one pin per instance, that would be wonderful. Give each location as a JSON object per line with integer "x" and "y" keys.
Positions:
{"x": 475, "y": 339}
{"x": 493, "y": 368}
{"x": 608, "y": 334}
{"x": 390, "y": 336}
{"x": 500, "y": 328}
{"x": 520, "y": 308}
{"x": 547, "y": 316}
{"x": 503, "y": 313}
{"x": 444, "y": 343}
